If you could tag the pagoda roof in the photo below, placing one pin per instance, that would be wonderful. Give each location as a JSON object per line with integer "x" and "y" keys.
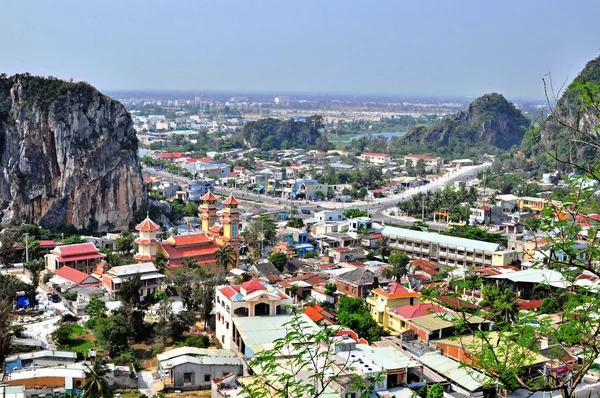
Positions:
{"x": 209, "y": 196}
{"x": 147, "y": 225}
{"x": 231, "y": 200}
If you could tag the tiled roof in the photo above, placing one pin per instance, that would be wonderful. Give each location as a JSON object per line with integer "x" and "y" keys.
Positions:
{"x": 414, "y": 311}
{"x": 47, "y": 243}
{"x": 209, "y": 196}
{"x": 424, "y": 264}
{"x": 147, "y": 225}
{"x": 381, "y": 155}
{"x": 229, "y": 291}
{"x": 175, "y": 253}
{"x": 189, "y": 240}
{"x": 75, "y": 276}
{"x": 77, "y": 249}
{"x": 252, "y": 285}
{"x": 358, "y": 276}
{"x": 231, "y": 200}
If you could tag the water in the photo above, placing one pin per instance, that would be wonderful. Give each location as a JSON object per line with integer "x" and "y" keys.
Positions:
{"x": 387, "y": 135}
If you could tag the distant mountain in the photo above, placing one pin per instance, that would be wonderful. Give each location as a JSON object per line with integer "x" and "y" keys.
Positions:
{"x": 489, "y": 123}
{"x": 568, "y": 134}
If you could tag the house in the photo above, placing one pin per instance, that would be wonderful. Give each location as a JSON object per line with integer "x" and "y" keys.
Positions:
{"x": 190, "y": 368}
{"x": 199, "y": 188}
{"x": 431, "y": 161}
{"x": 265, "y": 270}
{"x": 303, "y": 284}
{"x": 296, "y": 241}
{"x": 384, "y": 299}
{"x": 344, "y": 254}
{"x": 250, "y": 299}
{"x": 459, "y": 163}
{"x": 38, "y": 359}
{"x": 200, "y": 247}
{"x": 71, "y": 277}
{"x": 329, "y": 215}
{"x": 58, "y": 376}
{"x": 319, "y": 315}
{"x": 356, "y": 283}
{"x": 152, "y": 280}
{"x": 398, "y": 317}
{"x": 375, "y": 158}
{"x": 81, "y": 256}
{"x": 444, "y": 249}
{"x": 438, "y": 326}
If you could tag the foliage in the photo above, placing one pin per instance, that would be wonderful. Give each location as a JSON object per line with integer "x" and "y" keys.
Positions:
{"x": 267, "y": 134}
{"x": 7, "y": 250}
{"x": 330, "y": 288}
{"x": 73, "y": 239}
{"x": 448, "y": 199}
{"x": 279, "y": 260}
{"x": 354, "y": 213}
{"x": 295, "y": 222}
{"x": 280, "y": 371}
{"x": 124, "y": 243}
{"x": 5, "y": 329}
{"x": 96, "y": 308}
{"x": 475, "y": 233}
{"x": 61, "y": 334}
{"x": 383, "y": 247}
{"x": 435, "y": 391}
{"x": 113, "y": 333}
{"x": 399, "y": 262}
{"x": 201, "y": 341}
{"x": 161, "y": 263}
{"x": 260, "y": 229}
{"x": 164, "y": 313}
{"x": 500, "y": 302}
{"x": 353, "y": 313}
{"x": 226, "y": 257}
{"x": 96, "y": 384}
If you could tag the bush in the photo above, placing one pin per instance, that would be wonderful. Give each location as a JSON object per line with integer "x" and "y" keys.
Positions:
{"x": 61, "y": 335}
{"x": 17, "y": 330}
{"x": 71, "y": 296}
{"x": 68, "y": 318}
{"x": 548, "y": 306}
{"x": 157, "y": 349}
{"x": 196, "y": 341}
{"x": 47, "y": 277}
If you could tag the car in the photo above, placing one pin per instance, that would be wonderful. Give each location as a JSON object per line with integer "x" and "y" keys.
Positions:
{"x": 305, "y": 211}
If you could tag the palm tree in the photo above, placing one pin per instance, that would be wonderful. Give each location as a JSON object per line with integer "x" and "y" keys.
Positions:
{"x": 161, "y": 263}
{"x": 96, "y": 384}
{"x": 501, "y": 304}
{"x": 190, "y": 264}
{"x": 226, "y": 257}
{"x": 383, "y": 247}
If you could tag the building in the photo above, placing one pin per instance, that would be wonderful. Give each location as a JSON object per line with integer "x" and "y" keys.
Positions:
{"x": 384, "y": 299}
{"x": 147, "y": 241}
{"x": 459, "y": 163}
{"x": 38, "y": 359}
{"x": 438, "y": 326}
{"x": 250, "y": 299}
{"x": 431, "y": 161}
{"x": 444, "y": 249}
{"x": 67, "y": 276}
{"x": 152, "y": 280}
{"x": 81, "y": 256}
{"x": 199, "y": 188}
{"x": 375, "y": 158}
{"x": 329, "y": 215}
{"x": 399, "y": 317}
{"x": 68, "y": 377}
{"x": 356, "y": 283}
{"x": 190, "y": 368}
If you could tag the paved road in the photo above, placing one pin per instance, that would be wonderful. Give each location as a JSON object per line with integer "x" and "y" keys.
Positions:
{"x": 376, "y": 207}
{"x": 146, "y": 383}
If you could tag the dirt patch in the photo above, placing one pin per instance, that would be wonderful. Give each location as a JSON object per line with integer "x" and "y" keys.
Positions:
{"x": 199, "y": 394}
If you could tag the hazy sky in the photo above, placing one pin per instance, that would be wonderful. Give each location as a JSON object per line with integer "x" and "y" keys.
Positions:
{"x": 399, "y": 47}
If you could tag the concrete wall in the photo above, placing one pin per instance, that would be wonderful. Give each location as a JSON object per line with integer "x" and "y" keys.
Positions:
{"x": 199, "y": 372}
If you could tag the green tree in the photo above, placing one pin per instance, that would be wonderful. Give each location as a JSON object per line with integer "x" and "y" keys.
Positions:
{"x": 113, "y": 333}
{"x": 260, "y": 230}
{"x": 354, "y": 213}
{"x": 161, "y": 262}
{"x": 7, "y": 250}
{"x": 501, "y": 303}
{"x": 435, "y": 391}
{"x": 96, "y": 384}
{"x": 383, "y": 247}
{"x": 96, "y": 308}
{"x": 73, "y": 239}
{"x": 354, "y": 314}
{"x": 279, "y": 260}
{"x": 226, "y": 257}
{"x": 61, "y": 335}
{"x": 399, "y": 262}
{"x": 312, "y": 350}
{"x": 164, "y": 314}
{"x": 124, "y": 243}
{"x": 330, "y": 288}
{"x": 6, "y": 333}
{"x": 295, "y": 222}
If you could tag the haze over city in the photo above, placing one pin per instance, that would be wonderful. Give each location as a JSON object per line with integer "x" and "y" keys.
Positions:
{"x": 420, "y": 48}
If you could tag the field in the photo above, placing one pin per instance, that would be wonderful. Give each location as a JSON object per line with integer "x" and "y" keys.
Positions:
{"x": 80, "y": 340}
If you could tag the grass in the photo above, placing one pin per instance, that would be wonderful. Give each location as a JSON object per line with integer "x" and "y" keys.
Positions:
{"x": 128, "y": 393}
{"x": 80, "y": 340}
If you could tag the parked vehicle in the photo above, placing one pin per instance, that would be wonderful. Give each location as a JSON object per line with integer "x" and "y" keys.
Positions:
{"x": 305, "y": 211}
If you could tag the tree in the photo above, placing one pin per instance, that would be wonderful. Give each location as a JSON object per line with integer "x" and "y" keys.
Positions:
{"x": 383, "y": 247}
{"x": 129, "y": 293}
{"x": 279, "y": 260}
{"x": 96, "y": 384}
{"x": 113, "y": 333}
{"x": 124, "y": 243}
{"x": 161, "y": 262}
{"x": 354, "y": 314}
{"x": 204, "y": 297}
{"x": 399, "y": 262}
{"x": 330, "y": 288}
{"x": 435, "y": 391}
{"x": 420, "y": 168}
{"x": 261, "y": 230}
{"x": 226, "y": 257}
{"x": 95, "y": 308}
{"x": 61, "y": 334}
{"x": 282, "y": 367}
{"x": 295, "y": 222}
{"x": 501, "y": 304}
{"x": 164, "y": 313}
{"x": 5, "y": 330}
{"x": 354, "y": 213}
{"x": 73, "y": 239}
{"x": 7, "y": 250}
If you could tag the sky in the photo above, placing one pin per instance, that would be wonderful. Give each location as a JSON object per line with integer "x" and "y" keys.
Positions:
{"x": 395, "y": 47}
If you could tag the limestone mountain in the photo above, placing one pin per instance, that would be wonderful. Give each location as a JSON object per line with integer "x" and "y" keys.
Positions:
{"x": 68, "y": 156}
{"x": 490, "y": 122}
{"x": 569, "y": 133}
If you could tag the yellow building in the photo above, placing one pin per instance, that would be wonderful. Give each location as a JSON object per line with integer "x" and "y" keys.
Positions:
{"x": 382, "y": 300}
{"x": 504, "y": 257}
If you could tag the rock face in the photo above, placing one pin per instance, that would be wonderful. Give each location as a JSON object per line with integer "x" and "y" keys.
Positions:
{"x": 490, "y": 120}
{"x": 68, "y": 156}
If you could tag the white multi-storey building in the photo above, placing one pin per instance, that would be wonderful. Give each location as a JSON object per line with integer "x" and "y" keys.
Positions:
{"x": 249, "y": 299}
{"x": 375, "y": 158}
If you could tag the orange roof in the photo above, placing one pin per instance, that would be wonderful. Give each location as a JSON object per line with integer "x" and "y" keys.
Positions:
{"x": 183, "y": 252}
{"x": 313, "y": 314}
{"x": 145, "y": 257}
{"x": 147, "y": 225}
{"x": 252, "y": 285}
{"x": 231, "y": 200}
{"x": 399, "y": 294}
{"x": 144, "y": 241}
{"x": 188, "y": 240}
{"x": 209, "y": 196}
{"x": 76, "y": 276}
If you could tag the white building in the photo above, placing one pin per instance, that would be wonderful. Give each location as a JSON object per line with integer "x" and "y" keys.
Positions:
{"x": 375, "y": 158}
{"x": 329, "y": 215}
{"x": 152, "y": 280}
{"x": 430, "y": 160}
{"x": 249, "y": 299}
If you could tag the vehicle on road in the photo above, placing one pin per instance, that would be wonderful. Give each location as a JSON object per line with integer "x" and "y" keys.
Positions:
{"x": 305, "y": 211}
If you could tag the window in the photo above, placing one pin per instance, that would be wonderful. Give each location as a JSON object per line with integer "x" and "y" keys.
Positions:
{"x": 187, "y": 377}
{"x": 212, "y": 222}
{"x": 206, "y": 377}
{"x": 353, "y": 289}
{"x": 222, "y": 338}
{"x": 234, "y": 228}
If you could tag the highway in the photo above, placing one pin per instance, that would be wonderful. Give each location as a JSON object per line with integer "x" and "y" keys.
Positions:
{"x": 377, "y": 208}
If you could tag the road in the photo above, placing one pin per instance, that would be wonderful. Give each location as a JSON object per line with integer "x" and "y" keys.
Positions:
{"x": 377, "y": 208}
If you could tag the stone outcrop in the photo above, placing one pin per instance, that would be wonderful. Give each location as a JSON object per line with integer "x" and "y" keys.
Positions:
{"x": 68, "y": 156}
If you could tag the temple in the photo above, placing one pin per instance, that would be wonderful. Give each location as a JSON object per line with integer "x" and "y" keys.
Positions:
{"x": 217, "y": 230}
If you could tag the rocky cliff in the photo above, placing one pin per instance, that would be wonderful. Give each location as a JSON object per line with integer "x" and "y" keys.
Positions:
{"x": 68, "y": 156}
{"x": 489, "y": 121}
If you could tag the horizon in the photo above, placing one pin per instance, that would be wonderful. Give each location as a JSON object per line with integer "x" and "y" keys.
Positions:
{"x": 427, "y": 49}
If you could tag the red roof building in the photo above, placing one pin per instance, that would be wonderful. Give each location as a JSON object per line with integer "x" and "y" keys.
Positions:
{"x": 82, "y": 256}
{"x": 76, "y": 277}
{"x": 414, "y": 311}
{"x": 231, "y": 200}
{"x": 200, "y": 247}
{"x": 147, "y": 225}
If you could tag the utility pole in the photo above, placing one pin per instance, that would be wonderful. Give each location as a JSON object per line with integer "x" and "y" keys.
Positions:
{"x": 26, "y": 248}
{"x": 423, "y": 210}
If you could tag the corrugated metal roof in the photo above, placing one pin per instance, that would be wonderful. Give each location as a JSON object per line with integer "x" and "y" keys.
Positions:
{"x": 47, "y": 372}
{"x": 193, "y": 351}
{"x": 448, "y": 367}
{"x": 132, "y": 269}
{"x": 43, "y": 354}
{"x": 441, "y": 239}
{"x": 441, "y": 321}
{"x": 201, "y": 360}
